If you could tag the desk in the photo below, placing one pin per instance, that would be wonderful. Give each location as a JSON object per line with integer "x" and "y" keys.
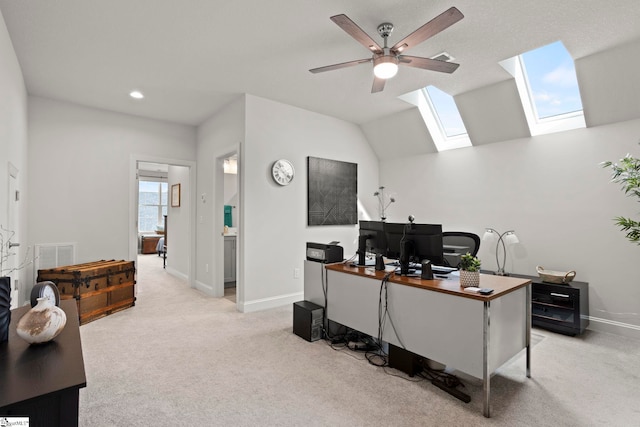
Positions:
{"x": 43, "y": 381}
{"x": 436, "y": 319}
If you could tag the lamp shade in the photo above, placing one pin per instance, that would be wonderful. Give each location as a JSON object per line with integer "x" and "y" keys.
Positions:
{"x": 489, "y": 235}
{"x": 511, "y": 238}
{"x": 385, "y": 66}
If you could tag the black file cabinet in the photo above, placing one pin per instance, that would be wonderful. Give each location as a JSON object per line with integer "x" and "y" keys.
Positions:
{"x": 562, "y": 308}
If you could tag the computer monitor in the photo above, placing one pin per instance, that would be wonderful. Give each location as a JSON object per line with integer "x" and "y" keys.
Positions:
{"x": 371, "y": 240}
{"x": 409, "y": 242}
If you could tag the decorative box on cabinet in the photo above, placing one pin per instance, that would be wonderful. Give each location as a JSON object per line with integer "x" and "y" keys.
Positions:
{"x": 100, "y": 288}
{"x": 562, "y": 308}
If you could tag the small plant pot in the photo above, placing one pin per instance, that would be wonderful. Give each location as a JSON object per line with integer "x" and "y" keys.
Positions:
{"x": 469, "y": 278}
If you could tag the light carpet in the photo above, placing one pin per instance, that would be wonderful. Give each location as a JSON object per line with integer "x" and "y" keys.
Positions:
{"x": 181, "y": 358}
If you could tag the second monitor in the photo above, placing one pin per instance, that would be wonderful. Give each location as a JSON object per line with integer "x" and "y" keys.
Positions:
{"x": 371, "y": 240}
{"x": 409, "y": 242}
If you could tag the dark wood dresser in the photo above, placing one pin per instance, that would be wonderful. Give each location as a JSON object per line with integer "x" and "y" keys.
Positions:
{"x": 43, "y": 381}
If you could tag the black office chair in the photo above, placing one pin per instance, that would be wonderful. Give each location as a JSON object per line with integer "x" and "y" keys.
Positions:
{"x": 461, "y": 238}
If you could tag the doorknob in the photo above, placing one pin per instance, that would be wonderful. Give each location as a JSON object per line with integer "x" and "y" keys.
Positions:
{"x": 13, "y": 245}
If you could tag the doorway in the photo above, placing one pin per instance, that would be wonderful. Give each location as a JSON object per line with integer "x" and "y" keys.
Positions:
{"x": 181, "y": 175}
{"x": 230, "y": 198}
{"x": 153, "y": 203}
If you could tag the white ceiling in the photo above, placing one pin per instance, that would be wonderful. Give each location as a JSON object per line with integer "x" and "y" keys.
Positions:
{"x": 191, "y": 57}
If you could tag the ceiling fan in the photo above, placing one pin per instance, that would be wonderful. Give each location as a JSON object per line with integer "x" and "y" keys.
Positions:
{"x": 386, "y": 59}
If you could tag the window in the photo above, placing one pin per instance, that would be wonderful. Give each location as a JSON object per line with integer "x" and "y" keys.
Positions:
{"x": 548, "y": 87}
{"x": 440, "y": 113}
{"x": 553, "y": 85}
{"x": 446, "y": 112}
{"x": 152, "y": 205}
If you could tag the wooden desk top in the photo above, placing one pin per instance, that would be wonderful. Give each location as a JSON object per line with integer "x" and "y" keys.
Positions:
{"x": 501, "y": 285}
{"x": 31, "y": 371}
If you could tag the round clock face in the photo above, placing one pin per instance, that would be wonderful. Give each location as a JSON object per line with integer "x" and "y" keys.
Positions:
{"x": 282, "y": 172}
{"x": 46, "y": 290}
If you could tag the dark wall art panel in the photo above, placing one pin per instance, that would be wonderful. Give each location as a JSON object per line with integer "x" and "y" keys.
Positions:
{"x": 332, "y": 192}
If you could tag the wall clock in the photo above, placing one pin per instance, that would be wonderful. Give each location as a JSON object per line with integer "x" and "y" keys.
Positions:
{"x": 46, "y": 290}
{"x": 282, "y": 171}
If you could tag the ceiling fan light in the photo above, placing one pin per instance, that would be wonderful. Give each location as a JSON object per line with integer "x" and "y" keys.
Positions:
{"x": 385, "y": 66}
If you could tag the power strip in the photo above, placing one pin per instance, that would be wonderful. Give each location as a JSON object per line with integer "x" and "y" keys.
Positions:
{"x": 360, "y": 346}
{"x": 451, "y": 390}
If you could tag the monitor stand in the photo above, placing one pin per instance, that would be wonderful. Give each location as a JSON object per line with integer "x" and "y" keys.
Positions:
{"x": 406, "y": 248}
{"x": 362, "y": 250}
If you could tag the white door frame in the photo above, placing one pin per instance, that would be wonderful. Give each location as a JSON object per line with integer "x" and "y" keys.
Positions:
{"x": 218, "y": 221}
{"x": 13, "y": 225}
{"x": 133, "y": 207}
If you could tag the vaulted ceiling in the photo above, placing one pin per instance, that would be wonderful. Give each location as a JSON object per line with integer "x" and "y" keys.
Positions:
{"x": 192, "y": 57}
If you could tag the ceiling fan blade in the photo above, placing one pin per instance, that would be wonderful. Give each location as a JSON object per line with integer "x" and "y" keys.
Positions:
{"x": 428, "y": 64}
{"x": 341, "y": 65}
{"x": 430, "y": 29}
{"x": 356, "y": 32}
{"x": 378, "y": 84}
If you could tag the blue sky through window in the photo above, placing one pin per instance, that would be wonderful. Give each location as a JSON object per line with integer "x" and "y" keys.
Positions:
{"x": 552, "y": 80}
{"x": 447, "y": 112}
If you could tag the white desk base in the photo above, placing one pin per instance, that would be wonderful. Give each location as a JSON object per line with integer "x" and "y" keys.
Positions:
{"x": 473, "y": 336}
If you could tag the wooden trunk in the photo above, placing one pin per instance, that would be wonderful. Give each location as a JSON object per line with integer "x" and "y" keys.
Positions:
{"x": 100, "y": 288}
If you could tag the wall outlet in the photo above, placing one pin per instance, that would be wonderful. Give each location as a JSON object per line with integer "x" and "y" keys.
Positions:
{"x": 206, "y": 268}
{"x": 296, "y": 273}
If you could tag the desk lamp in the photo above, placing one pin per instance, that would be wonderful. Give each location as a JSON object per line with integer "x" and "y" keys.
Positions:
{"x": 506, "y": 238}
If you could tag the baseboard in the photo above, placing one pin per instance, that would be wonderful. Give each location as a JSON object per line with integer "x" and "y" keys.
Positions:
{"x": 203, "y": 287}
{"x": 273, "y": 302}
{"x": 176, "y": 273}
{"x": 614, "y": 327}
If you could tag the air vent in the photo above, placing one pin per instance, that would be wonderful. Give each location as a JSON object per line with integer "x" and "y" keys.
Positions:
{"x": 443, "y": 56}
{"x": 54, "y": 255}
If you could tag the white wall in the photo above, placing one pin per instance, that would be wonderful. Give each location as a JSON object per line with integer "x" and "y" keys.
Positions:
{"x": 79, "y": 173}
{"x": 275, "y": 228}
{"x": 178, "y": 222}
{"x": 610, "y": 96}
{"x": 552, "y": 191}
{"x": 13, "y": 138}
{"x": 218, "y": 137}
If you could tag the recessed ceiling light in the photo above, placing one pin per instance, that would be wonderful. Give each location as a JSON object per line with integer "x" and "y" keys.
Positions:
{"x": 136, "y": 94}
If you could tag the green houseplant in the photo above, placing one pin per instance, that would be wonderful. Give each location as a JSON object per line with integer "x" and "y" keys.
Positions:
{"x": 469, "y": 270}
{"x": 627, "y": 173}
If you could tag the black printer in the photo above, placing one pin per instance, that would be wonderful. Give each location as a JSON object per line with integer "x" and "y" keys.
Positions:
{"x": 325, "y": 252}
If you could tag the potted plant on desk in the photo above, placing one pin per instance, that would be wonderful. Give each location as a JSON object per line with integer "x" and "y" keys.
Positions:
{"x": 469, "y": 270}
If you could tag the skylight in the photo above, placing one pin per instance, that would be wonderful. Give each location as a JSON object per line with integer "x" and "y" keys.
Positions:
{"x": 446, "y": 111}
{"x": 440, "y": 113}
{"x": 552, "y": 80}
{"x": 548, "y": 88}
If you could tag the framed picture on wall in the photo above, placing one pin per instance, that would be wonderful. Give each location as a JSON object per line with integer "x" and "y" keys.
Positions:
{"x": 332, "y": 192}
{"x": 175, "y": 195}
